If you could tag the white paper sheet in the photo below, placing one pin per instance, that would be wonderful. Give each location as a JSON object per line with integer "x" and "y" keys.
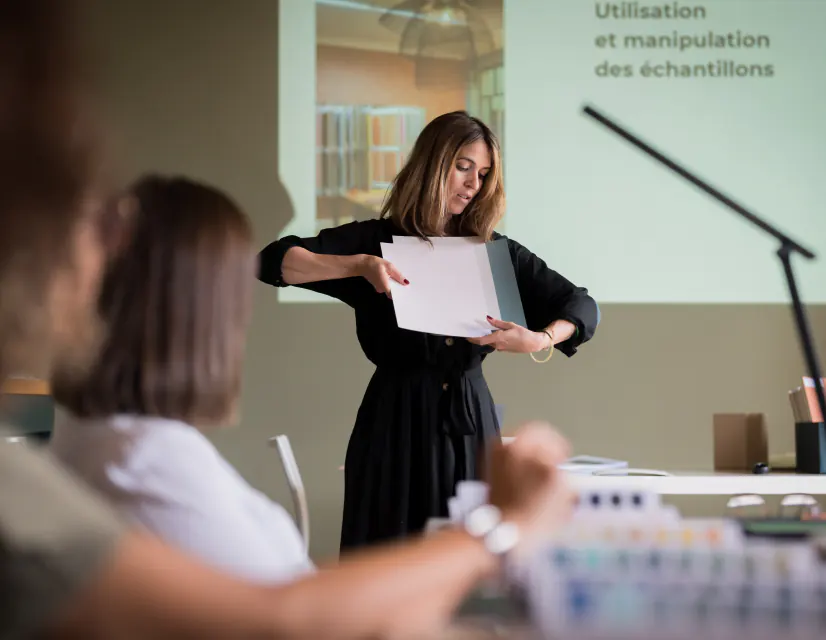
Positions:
{"x": 451, "y": 290}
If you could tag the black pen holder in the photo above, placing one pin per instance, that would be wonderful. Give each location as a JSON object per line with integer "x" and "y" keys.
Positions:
{"x": 810, "y": 447}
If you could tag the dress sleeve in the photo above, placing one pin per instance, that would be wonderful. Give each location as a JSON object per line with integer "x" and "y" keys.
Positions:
{"x": 548, "y": 296}
{"x": 55, "y": 537}
{"x": 346, "y": 240}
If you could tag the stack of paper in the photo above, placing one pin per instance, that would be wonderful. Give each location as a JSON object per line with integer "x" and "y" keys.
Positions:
{"x": 455, "y": 284}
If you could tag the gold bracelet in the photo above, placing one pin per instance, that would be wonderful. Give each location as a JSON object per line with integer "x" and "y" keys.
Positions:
{"x": 551, "y": 352}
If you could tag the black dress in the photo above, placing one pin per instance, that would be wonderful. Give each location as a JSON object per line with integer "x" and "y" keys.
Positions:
{"x": 427, "y": 412}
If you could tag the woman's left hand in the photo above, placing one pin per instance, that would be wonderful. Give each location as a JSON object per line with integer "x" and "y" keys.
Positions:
{"x": 513, "y": 338}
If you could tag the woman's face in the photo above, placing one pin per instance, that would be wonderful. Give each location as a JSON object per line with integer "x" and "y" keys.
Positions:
{"x": 465, "y": 180}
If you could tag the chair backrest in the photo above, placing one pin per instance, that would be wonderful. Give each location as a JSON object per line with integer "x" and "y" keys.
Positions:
{"x": 290, "y": 466}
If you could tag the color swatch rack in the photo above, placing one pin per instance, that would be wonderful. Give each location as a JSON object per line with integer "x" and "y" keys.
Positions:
{"x": 632, "y": 569}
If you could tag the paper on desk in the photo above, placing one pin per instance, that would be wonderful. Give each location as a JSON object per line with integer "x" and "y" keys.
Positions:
{"x": 454, "y": 284}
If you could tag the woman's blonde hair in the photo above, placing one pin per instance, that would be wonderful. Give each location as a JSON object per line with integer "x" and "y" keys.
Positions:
{"x": 417, "y": 200}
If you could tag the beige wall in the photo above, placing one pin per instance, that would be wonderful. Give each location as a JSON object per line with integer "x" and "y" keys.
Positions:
{"x": 191, "y": 87}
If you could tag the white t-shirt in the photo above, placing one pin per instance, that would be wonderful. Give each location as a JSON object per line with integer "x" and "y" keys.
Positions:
{"x": 167, "y": 476}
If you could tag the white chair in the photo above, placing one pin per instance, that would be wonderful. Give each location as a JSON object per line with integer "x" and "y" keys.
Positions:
{"x": 302, "y": 512}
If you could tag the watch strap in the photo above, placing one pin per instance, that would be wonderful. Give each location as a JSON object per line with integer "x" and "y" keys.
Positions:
{"x": 486, "y": 524}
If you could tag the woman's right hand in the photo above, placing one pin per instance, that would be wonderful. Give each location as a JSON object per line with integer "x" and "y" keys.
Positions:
{"x": 379, "y": 272}
{"x": 526, "y": 485}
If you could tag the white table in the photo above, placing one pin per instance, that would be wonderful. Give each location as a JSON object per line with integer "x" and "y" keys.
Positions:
{"x": 707, "y": 483}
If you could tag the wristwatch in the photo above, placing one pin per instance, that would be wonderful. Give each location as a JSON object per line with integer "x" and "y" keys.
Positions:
{"x": 486, "y": 523}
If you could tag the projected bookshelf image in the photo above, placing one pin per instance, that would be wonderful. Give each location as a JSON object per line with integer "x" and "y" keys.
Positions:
{"x": 360, "y": 150}
{"x": 383, "y": 71}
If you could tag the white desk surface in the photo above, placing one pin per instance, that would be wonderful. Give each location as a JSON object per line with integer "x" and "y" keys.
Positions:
{"x": 704, "y": 483}
{"x": 708, "y": 483}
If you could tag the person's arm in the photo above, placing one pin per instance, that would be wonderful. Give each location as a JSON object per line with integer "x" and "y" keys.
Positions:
{"x": 408, "y": 581}
{"x": 331, "y": 263}
{"x": 560, "y": 331}
{"x": 150, "y": 590}
{"x": 300, "y": 266}
{"x": 407, "y": 590}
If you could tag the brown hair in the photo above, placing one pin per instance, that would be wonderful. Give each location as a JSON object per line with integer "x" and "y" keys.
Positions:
{"x": 417, "y": 200}
{"x": 47, "y": 159}
{"x": 176, "y": 303}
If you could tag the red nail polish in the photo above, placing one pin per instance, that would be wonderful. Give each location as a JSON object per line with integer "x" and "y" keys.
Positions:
{"x": 406, "y": 281}
{"x": 490, "y": 318}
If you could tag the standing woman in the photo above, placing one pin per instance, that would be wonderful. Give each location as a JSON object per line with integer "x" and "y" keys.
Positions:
{"x": 427, "y": 413}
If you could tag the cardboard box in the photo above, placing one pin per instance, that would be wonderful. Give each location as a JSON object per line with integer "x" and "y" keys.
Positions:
{"x": 740, "y": 441}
